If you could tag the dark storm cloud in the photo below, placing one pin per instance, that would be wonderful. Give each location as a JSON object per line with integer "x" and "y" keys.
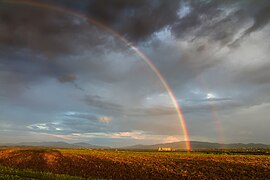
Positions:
{"x": 30, "y": 41}
{"x": 201, "y": 11}
{"x": 138, "y": 20}
{"x": 261, "y": 18}
{"x": 221, "y": 20}
{"x": 36, "y": 45}
{"x": 23, "y": 26}
{"x": 48, "y": 32}
{"x": 135, "y": 19}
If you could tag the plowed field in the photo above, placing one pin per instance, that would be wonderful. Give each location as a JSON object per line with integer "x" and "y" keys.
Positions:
{"x": 108, "y": 164}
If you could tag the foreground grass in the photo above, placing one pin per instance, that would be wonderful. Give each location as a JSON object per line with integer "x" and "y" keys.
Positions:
{"x": 112, "y": 164}
{"x": 7, "y": 173}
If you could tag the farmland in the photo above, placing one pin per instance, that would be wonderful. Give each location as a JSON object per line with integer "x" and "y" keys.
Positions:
{"x": 44, "y": 163}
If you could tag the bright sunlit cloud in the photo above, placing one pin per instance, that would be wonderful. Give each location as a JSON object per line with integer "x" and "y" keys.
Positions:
{"x": 210, "y": 96}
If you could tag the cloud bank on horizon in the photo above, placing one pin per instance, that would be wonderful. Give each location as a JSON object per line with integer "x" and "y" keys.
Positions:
{"x": 63, "y": 78}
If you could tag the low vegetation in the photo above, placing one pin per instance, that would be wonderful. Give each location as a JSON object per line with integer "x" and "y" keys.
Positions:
{"x": 7, "y": 173}
{"x": 112, "y": 164}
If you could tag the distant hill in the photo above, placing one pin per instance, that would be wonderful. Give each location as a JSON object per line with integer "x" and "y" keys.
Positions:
{"x": 199, "y": 145}
{"x": 175, "y": 145}
{"x": 54, "y": 145}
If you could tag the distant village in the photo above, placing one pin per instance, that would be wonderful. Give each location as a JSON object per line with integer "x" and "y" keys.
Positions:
{"x": 167, "y": 149}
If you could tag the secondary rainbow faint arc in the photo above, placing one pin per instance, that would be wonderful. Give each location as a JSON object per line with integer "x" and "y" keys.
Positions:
{"x": 135, "y": 49}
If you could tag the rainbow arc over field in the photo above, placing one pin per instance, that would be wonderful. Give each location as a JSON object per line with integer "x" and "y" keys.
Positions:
{"x": 148, "y": 61}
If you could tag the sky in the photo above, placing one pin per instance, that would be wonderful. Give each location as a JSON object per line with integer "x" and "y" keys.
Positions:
{"x": 64, "y": 78}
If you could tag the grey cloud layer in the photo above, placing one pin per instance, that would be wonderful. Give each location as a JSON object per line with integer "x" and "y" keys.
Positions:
{"x": 62, "y": 75}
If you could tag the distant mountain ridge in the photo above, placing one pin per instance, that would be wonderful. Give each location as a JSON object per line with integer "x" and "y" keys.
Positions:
{"x": 175, "y": 145}
{"x": 54, "y": 145}
{"x": 200, "y": 145}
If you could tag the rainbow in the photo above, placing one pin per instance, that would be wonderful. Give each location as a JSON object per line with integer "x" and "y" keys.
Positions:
{"x": 129, "y": 44}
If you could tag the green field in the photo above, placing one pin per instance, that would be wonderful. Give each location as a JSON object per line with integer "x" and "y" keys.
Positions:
{"x": 30, "y": 163}
{"x": 7, "y": 173}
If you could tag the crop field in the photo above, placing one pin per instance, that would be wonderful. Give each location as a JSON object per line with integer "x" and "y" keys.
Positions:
{"x": 33, "y": 163}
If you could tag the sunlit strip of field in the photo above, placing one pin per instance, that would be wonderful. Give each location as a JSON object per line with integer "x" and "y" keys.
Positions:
{"x": 112, "y": 164}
